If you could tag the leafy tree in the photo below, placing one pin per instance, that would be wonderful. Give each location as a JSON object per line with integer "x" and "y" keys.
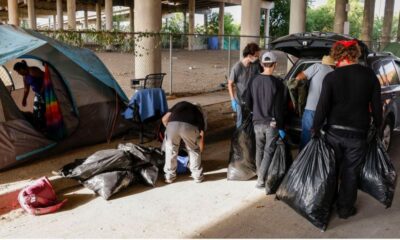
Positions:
{"x": 280, "y": 15}
{"x": 230, "y": 28}
{"x": 175, "y": 24}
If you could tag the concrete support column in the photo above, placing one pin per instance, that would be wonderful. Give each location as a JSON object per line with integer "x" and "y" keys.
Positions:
{"x": 398, "y": 30}
{"x": 13, "y": 12}
{"x": 98, "y": 16}
{"x": 205, "y": 21}
{"x": 54, "y": 22}
{"x": 109, "y": 14}
{"x": 221, "y": 25}
{"x": 71, "y": 10}
{"x": 131, "y": 18}
{"x": 60, "y": 15}
{"x": 341, "y": 8}
{"x": 148, "y": 19}
{"x": 368, "y": 22}
{"x": 85, "y": 20}
{"x": 192, "y": 11}
{"x": 250, "y": 23}
{"x": 31, "y": 14}
{"x": 298, "y": 10}
{"x": 267, "y": 13}
{"x": 387, "y": 23}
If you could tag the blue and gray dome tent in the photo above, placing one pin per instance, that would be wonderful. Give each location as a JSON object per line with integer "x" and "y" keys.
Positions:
{"x": 89, "y": 97}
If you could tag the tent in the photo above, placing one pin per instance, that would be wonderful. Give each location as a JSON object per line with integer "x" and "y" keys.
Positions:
{"x": 90, "y": 99}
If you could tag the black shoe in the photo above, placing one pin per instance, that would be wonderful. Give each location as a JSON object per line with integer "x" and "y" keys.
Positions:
{"x": 344, "y": 214}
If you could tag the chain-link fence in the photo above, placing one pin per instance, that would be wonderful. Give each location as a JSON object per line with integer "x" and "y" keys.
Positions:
{"x": 194, "y": 63}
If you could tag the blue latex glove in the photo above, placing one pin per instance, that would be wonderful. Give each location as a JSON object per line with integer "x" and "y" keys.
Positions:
{"x": 234, "y": 105}
{"x": 282, "y": 134}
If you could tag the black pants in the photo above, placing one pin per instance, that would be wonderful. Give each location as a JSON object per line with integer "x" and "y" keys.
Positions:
{"x": 350, "y": 155}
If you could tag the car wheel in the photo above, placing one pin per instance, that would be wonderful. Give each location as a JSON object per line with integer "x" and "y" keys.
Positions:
{"x": 387, "y": 134}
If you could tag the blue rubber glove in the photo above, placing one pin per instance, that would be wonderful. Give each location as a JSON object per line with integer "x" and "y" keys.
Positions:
{"x": 234, "y": 105}
{"x": 282, "y": 134}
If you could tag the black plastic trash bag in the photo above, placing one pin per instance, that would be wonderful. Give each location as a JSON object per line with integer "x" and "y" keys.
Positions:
{"x": 109, "y": 183}
{"x": 279, "y": 166}
{"x": 378, "y": 176}
{"x": 242, "y": 165}
{"x": 99, "y": 162}
{"x": 148, "y": 154}
{"x": 107, "y": 172}
{"x": 309, "y": 186}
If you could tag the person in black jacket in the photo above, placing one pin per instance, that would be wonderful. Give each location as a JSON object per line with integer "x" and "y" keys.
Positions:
{"x": 347, "y": 95}
{"x": 265, "y": 98}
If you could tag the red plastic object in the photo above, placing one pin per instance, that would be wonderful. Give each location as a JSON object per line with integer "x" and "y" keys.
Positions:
{"x": 40, "y": 198}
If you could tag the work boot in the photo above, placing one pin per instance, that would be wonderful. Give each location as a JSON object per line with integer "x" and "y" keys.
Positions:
{"x": 344, "y": 213}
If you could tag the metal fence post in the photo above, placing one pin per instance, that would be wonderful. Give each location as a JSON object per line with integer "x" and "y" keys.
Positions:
{"x": 229, "y": 55}
{"x": 170, "y": 63}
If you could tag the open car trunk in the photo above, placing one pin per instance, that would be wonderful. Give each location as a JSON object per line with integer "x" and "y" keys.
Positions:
{"x": 312, "y": 45}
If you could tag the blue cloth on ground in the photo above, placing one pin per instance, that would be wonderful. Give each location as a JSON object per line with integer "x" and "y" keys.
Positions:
{"x": 150, "y": 102}
{"x": 182, "y": 164}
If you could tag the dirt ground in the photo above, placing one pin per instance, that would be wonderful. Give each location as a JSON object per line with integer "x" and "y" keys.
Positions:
{"x": 193, "y": 71}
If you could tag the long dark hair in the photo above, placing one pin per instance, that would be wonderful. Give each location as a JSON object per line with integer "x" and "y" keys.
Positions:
{"x": 20, "y": 65}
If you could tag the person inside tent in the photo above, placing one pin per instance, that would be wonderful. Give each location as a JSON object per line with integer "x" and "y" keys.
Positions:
{"x": 33, "y": 78}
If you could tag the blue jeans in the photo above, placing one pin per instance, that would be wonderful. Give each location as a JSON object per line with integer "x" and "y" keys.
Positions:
{"x": 239, "y": 115}
{"x": 306, "y": 125}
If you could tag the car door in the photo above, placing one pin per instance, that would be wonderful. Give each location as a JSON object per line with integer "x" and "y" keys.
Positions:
{"x": 388, "y": 76}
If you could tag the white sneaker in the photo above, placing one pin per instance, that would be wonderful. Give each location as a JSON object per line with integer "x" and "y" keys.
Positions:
{"x": 199, "y": 180}
{"x": 170, "y": 180}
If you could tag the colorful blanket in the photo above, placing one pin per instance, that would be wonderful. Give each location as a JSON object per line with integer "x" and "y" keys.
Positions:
{"x": 54, "y": 120}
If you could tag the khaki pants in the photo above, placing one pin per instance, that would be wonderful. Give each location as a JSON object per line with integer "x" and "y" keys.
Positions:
{"x": 190, "y": 135}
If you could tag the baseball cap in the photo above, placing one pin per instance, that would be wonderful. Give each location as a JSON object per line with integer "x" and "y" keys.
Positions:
{"x": 268, "y": 57}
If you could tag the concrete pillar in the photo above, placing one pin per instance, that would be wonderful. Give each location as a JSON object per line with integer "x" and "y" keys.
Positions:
{"x": 398, "y": 30}
{"x": 298, "y": 10}
{"x": 148, "y": 19}
{"x": 205, "y": 22}
{"x": 131, "y": 18}
{"x": 221, "y": 26}
{"x": 387, "y": 23}
{"x": 109, "y": 15}
{"x": 192, "y": 11}
{"x": 250, "y": 23}
{"x": 54, "y": 22}
{"x": 368, "y": 22}
{"x": 13, "y": 12}
{"x": 85, "y": 20}
{"x": 98, "y": 16}
{"x": 185, "y": 22}
{"x": 341, "y": 8}
{"x": 60, "y": 15}
{"x": 31, "y": 14}
{"x": 71, "y": 10}
{"x": 267, "y": 13}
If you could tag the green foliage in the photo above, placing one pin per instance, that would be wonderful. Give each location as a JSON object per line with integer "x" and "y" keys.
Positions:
{"x": 175, "y": 24}
{"x": 378, "y": 27}
{"x": 230, "y": 28}
{"x": 322, "y": 18}
{"x": 280, "y": 18}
